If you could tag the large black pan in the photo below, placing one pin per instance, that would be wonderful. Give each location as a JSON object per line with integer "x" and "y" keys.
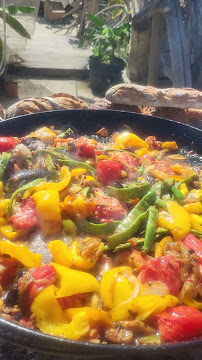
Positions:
{"x": 88, "y": 122}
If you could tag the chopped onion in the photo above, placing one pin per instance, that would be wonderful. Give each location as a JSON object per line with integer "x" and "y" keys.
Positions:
{"x": 135, "y": 283}
{"x": 154, "y": 288}
{"x": 24, "y": 151}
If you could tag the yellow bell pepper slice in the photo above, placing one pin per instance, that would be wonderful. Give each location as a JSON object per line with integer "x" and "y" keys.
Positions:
{"x": 196, "y": 194}
{"x": 65, "y": 177}
{"x": 61, "y": 253}
{"x": 194, "y": 208}
{"x": 142, "y": 152}
{"x": 78, "y": 172}
{"x": 74, "y": 282}
{"x": 177, "y": 220}
{"x": 51, "y": 319}
{"x": 130, "y": 140}
{"x": 115, "y": 289}
{"x": 196, "y": 222}
{"x": 45, "y": 134}
{"x": 184, "y": 189}
{"x": 143, "y": 307}
{"x": 95, "y": 316}
{"x": 20, "y": 253}
{"x": 48, "y": 208}
{"x": 11, "y": 234}
{"x": 82, "y": 263}
{"x": 170, "y": 145}
{"x": 159, "y": 250}
{"x": 3, "y": 206}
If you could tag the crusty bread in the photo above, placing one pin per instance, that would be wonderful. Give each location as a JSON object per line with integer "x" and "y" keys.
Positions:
{"x": 104, "y": 104}
{"x": 38, "y": 104}
{"x": 132, "y": 94}
{"x": 181, "y": 115}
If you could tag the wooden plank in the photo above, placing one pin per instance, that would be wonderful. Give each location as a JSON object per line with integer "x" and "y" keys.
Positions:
{"x": 154, "y": 53}
{"x": 179, "y": 53}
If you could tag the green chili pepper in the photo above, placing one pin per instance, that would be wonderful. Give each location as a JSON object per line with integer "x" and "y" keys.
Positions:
{"x": 75, "y": 164}
{"x": 166, "y": 197}
{"x": 150, "y": 233}
{"x": 54, "y": 153}
{"x": 187, "y": 180}
{"x": 133, "y": 192}
{"x": 50, "y": 167}
{"x": 98, "y": 229}
{"x": 4, "y": 163}
{"x": 161, "y": 232}
{"x": 132, "y": 223}
{"x": 178, "y": 195}
{"x": 150, "y": 339}
{"x": 69, "y": 227}
{"x": 125, "y": 246}
{"x": 122, "y": 150}
{"x": 160, "y": 204}
{"x": 120, "y": 237}
{"x": 85, "y": 191}
{"x": 196, "y": 233}
{"x": 163, "y": 187}
{"x": 141, "y": 170}
{"x": 23, "y": 188}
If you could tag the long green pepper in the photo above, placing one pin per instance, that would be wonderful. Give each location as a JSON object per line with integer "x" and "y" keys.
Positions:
{"x": 150, "y": 234}
{"x": 133, "y": 192}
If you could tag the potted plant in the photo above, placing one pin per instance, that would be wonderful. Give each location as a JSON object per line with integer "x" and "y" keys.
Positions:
{"x": 10, "y": 86}
{"x": 109, "y": 47}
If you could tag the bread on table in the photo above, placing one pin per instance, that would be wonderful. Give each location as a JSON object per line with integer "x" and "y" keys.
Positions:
{"x": 104, "y": 104}
{"x": 48, "y": 103}
{"x": 132, "y": 94}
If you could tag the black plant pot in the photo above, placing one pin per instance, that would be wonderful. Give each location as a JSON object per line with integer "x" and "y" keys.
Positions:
{"x": 101, "y": 76}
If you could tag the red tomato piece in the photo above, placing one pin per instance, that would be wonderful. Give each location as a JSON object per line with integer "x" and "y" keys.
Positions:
{"x": 26, "y": 216}
{"x": 71, "y": 301}
{"x": 108, "y": 172}
{"x": 128, "y": 163}
{"x": 85, "y": 148}
{"x": 163, "y": 166}
{"x": 191, "y": 242}
{"x": 179, "y": 323}
{"x": 7, "y": 143}
{"x": 165, "y": 269}
{"x": 8, "y": 270}
{"x": 42, "y": 277}
{"x": 147, "y": 159}
{"x": 108, "y": 208}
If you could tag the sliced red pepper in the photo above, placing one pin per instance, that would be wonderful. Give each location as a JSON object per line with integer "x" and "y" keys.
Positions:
{"x": 108, "y": 172}
{"x": 7, "y": 143}
{"x": 26, "y": 216}
{"x": 191, "y": 242}
{"x": 179, "y": 323}
{"x": 165, "y": 269}
{"x": 8, "y": 271}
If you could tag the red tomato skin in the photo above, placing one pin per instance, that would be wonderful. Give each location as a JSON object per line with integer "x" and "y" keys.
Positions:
{"x": 127, "y": 162}
{"x": 191, "y": 242}
{"x": 163, "y": 166}
{"x": 7, "y": 143}
{"x": 108, "y": 209}
{"x": 84, "y": 148}
{"x": 42, "y": 277}
{"x": 165, "y": 269}
{"x": 26, "y": 216}
{"x": 179, "y": 323}
{"x": 108, "y": 172}
{"x": 8, "y": 271}
{"x": 153, "y": 142}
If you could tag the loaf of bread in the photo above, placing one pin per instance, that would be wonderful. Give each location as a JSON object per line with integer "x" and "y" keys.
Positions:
{"x": 182, "y": 115}
{"x": 104, "y": 104}
{"x": 39, "y": 104}
{"x": 132, "y": 94}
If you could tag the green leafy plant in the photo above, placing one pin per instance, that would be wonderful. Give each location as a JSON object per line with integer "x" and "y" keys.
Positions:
{"x": 14, "y": 23}
{"x": 107, "y": 43}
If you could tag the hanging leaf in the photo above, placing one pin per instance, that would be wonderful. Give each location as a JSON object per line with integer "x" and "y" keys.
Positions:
{"x": 25, "y": 9}
{"x": 96, "y": 20}
{"x": 1, "y": 50}
{"x": 12, "y": 9}
{"x": 15, "y": 25}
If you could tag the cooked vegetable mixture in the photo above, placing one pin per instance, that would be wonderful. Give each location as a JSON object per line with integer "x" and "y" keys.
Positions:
{"x": 100, "y": 237}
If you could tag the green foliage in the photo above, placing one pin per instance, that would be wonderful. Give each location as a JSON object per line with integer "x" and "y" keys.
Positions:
{"x": 106, "y": 42}
{"x": 12, "y": 10}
